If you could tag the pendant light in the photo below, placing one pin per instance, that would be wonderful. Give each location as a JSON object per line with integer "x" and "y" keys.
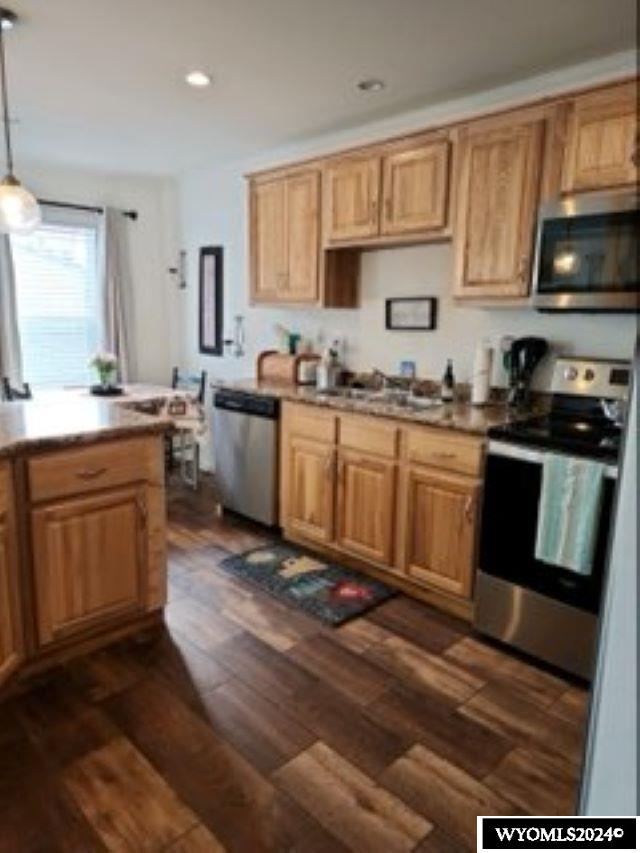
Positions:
{"x": 19, "y": 209}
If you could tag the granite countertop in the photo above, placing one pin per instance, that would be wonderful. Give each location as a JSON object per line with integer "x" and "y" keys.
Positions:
{"x": 464, "y": 417}
{"x": 52, "y": 423}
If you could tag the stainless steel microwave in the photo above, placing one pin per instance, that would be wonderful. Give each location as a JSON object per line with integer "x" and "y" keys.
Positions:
{"x": 588, "y": 254}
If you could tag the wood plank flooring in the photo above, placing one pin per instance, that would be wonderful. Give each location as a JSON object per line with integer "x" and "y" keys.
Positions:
{"x": 246, "y": 726}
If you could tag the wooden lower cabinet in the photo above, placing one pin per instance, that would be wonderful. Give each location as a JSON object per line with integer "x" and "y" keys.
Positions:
{"x": 310, "y": 478}
{"x": 89, "y": 556}
{"x": 11, "y": 641}
{"x": 401, "y": 498}
{"x": 366, "y": 499}
{"x": 438, "y": 527}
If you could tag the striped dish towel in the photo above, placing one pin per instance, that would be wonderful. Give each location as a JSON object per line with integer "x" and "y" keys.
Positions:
{"x": 569, "y": 512}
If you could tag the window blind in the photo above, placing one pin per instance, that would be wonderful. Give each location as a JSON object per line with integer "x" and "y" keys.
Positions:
{"x": 58, "y": 298}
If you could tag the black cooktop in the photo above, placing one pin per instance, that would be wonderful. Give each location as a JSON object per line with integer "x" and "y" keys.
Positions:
{"x": 597, "y": 438}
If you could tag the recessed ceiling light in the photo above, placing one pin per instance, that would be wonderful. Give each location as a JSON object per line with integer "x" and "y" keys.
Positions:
{"x": 371, "y": 84}
{"x": 198, "y": 79}
{"x": 7, "y": 19}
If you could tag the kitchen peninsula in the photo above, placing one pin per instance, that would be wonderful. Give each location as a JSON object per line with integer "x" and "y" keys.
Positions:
{"x": 82, "y": 529}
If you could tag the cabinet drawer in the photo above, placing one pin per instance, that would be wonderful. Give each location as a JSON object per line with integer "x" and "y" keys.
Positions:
{"x": 86, "y": 469}
{"x": 311, "y": 422}
{"x": 369, "y": 435}
{"x": 443, "y": 450}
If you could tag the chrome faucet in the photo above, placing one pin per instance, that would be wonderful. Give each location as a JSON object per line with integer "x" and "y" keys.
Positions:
{"x": 388, "y": 381}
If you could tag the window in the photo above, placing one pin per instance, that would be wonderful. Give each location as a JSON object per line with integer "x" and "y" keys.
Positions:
{"x": 58, "y": 297}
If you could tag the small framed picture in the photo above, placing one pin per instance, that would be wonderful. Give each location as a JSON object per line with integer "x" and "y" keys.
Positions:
{"x": 411, "y": 313}
{"x": 211, "y": 300}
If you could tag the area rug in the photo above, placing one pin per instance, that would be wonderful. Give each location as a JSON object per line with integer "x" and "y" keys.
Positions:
{"x": 328, "y": 591}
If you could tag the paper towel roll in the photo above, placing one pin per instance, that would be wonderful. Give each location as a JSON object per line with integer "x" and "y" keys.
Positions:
{"x": 481, "y": 379}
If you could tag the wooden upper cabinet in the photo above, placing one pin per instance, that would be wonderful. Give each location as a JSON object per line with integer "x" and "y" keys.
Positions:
{"x": 90, "y": 560}
{"x": 602, "y": 143}
{"x": 268, "y": 239}
{"x": 498, "y": 193}
{"x": 309, "y": 480}
{"x": 284, "y": 238}
{"x": 415, "y": 188}
{"x": 366, "y": 506}
{"x": 11, "y": 640}
{"x": 352, "y": 199}
{"x": 440, "y": 529}
{"x": 303, "y": 236}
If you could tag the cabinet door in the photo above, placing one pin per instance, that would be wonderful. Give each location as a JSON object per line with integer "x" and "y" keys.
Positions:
{"x": 498, "y": 191}
{"x": 440, "y": 529}
{"x": 268, "y": 239}
{"x": 11, "y": 648}
{"x": 352, "y": 199}
{"x": 366, "y": 506}
{"x": 90, "y": 558}
{"x": 311, "y": 481}
{"x": 602, "y": 143}
{"x": 303, "y": 230}
{"x": 415, "y": 189}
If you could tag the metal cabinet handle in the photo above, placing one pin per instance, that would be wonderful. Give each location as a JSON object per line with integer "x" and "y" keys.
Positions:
{"x": 443, "y": 455}
{"x": 90, "y": 473}
{"x": 328, "y": 466}
{"x": 524, "y": 265}
{"x": 468, "y": 508}
{"x": 143, "y": 513}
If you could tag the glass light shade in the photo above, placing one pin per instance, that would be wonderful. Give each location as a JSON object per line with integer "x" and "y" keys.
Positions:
{"x": 19, "y": 209}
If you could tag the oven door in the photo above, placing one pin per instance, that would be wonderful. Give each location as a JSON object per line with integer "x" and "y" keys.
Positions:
{"x": 587, "y": 256}
{"x": 509, "y": 525}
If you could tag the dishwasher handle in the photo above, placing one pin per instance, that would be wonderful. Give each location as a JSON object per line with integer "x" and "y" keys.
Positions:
{"x": 257, "y": 405}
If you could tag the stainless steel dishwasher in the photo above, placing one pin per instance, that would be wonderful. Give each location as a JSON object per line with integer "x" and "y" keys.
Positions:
{"x": 245, "y": 442}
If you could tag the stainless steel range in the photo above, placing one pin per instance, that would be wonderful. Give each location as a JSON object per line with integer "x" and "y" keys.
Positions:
{"x": 547, "y": 610}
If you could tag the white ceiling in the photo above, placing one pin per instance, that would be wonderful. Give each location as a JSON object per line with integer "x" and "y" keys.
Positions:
{"x": 98, "y": 83}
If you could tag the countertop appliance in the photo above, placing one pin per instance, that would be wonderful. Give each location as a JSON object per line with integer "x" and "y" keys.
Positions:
{"x": 587, "y": 255}
{"x": 545, "y": 610}
{"x": 522, "y": 358}
{"x": 245, "y": 442}
{"x": 274, "y": 366}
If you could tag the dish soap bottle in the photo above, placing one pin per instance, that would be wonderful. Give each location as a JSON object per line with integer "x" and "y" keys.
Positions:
{"x": 448, "y": 383}
{"x": 328, "y": 369}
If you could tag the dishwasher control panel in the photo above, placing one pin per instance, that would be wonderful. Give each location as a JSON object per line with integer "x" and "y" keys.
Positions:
{"x": 247, "y": 403}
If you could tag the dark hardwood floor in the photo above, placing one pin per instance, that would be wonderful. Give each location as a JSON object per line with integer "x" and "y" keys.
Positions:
{"x": 246, "y": 726}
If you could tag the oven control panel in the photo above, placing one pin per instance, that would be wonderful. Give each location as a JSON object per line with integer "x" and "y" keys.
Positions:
{"x": 591, "y": 378}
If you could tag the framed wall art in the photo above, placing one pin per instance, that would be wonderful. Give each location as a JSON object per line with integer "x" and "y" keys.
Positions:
{"x": 411, "y": 313}
{"x": 211, "y": 300}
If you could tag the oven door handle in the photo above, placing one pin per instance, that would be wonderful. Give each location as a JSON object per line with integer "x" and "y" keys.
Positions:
{"x": 528, "y": 454}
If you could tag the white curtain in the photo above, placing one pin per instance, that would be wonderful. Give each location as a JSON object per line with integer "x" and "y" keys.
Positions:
{"x": 10, "y": 351}
{"x": 116, "y": 299}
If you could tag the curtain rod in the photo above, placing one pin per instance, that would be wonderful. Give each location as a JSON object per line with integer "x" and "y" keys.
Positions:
{"x": 130, "y": 214}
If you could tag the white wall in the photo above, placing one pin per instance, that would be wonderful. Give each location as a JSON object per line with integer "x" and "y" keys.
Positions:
{"x": 213, "y": 211}
{"x": 153, "y": 247}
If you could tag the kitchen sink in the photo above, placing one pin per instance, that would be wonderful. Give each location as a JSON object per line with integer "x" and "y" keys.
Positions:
{"x": 387, "y": 396}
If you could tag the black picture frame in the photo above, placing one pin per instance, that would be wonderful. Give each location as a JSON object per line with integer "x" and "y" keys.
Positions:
{"x": 430, "y": 303}
{"x": 210, "y": 308}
